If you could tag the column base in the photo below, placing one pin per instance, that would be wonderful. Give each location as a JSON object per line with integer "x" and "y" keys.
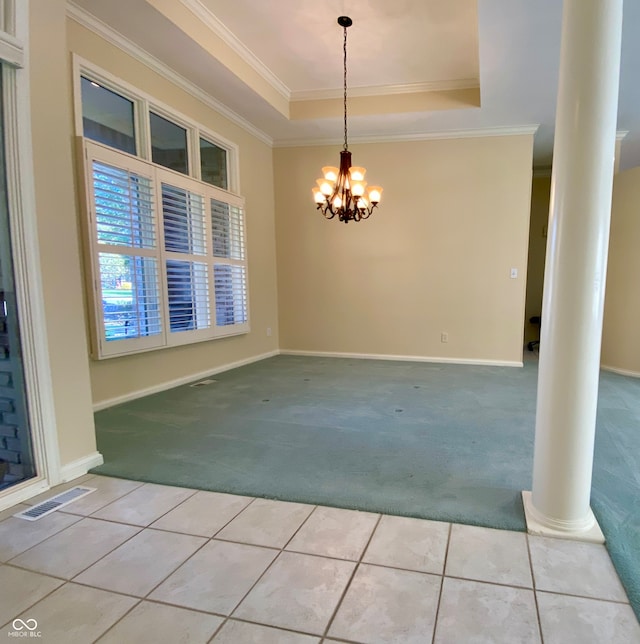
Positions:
{"x": 535, "y": 525}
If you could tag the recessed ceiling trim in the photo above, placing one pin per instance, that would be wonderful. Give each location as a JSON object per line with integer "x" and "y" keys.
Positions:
{"x": 387, "y": 90}
{"x": 515, "y": 130}
{"x": 85, "y": 19}
{"x": 230, "y": 39}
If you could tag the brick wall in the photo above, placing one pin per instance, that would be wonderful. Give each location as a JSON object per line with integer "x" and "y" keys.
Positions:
{"x": 14, "y": 429}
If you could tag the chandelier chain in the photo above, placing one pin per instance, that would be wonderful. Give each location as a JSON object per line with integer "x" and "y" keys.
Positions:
{"x": 345, "y": 89}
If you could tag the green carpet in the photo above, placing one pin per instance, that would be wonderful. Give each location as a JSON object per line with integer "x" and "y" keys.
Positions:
{"x": 446, "y": 442}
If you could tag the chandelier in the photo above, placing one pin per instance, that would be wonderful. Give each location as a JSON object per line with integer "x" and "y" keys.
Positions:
{"x": 342, "y": 190}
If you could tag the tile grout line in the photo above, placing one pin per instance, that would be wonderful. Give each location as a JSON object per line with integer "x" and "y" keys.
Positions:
{"x": 39, "y": 600}
{"x": 442, "y": 578}
{"x": 264, "y": 572}
{"x": 118, "y": 620}
{"x": 225, "y": 618}
{"x": 209, "y": 539}
{"x": 242, "y": 620}
{"x": 535, "y": 593}
{"x": 69, "y": 579}
{"x": 173, "y": 507}
{"x": 53, "y": 534}
{"x": 139, "y": 531}
{"x": 325, "y": 634}
{"x": 108, "y": 503}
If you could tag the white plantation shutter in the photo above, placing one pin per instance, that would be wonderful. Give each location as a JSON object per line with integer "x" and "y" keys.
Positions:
{"x": 230, "y": 281}
{"x": 134, "y": 312}
{"x": 184, "y": 221}
{"x": 167, "y": 253}
{"x": 228, "y": 230}
{"x": 188, "y": 288}
{"x": 124, "y": 238}
{"x": 231, "y": 294}
{"x": 124, "y": 207}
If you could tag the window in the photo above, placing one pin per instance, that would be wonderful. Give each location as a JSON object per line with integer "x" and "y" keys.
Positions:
{"x": 213, "y": 164}
{"x": 168, "y": 256}
{"x": 111, "y": 112}
{"x": 166, "y": 240}
{"x": 107, "y": 117}
{"x": 168, "y": 144}
{"x": 230, "y": 280}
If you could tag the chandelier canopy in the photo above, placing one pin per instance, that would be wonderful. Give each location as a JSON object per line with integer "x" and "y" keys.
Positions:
{"x": 343, "y": 191}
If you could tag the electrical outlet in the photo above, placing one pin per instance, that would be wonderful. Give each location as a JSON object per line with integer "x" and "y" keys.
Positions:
{"x": 269, "y": 331}
{"x": 444, "y": 337}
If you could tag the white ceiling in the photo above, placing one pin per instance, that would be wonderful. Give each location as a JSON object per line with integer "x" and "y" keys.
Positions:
{"x": 254, "y": 56}
{"x": 301, "y": 43}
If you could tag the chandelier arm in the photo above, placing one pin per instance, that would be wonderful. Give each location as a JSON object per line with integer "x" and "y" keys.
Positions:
{"x": 325, "y": 208}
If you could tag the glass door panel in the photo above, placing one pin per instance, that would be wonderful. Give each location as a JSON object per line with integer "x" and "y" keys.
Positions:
{"x": 16, "y": 448}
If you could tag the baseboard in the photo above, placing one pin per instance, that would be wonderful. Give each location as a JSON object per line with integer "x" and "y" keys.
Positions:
{"x": 80, "y": 466}
{"x": 382, "y": 356}
{"x": 621, "y": 372}
{"x": 170, "y": 384}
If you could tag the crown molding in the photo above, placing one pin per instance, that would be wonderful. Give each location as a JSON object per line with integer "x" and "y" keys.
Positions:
{"x": 517, "y": 130}
{"x": 545, "y": 170}
{"x": 387, "y": 90}
{"x": 231, "y": 40}
{"x": 85, "y": 19}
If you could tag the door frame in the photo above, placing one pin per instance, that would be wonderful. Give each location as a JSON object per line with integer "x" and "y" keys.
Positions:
{"x": 14, "y": 57}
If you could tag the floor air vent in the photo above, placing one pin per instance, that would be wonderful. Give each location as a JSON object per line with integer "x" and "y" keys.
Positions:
{"x": 203, "y": 383}
{"x": 54, "y": 503}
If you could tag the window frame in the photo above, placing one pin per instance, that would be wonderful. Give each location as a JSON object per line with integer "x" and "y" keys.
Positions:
{"x": 145, "y": 103}
{"x": 189, "y": 137}
{"x": 102, "y": 348}
{"x": 88, "y": 150}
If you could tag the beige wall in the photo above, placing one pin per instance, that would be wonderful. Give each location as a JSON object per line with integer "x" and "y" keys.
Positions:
{"x": 57, "y": 230}
{"x": 620, "y": 338}
{"x": 121, "y": 376}
{"x": 435, "y": 257}
{"x": 537, "y": 249}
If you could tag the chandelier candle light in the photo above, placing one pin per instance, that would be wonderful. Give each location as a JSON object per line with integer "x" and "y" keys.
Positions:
{"x": 342, "y": 190}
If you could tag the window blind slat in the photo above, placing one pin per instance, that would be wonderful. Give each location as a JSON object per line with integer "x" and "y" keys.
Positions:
{"x": 184, "y": 221}
{"x": 188, "y": 291}
{"x": 227, "y": 230}
{"x": 231, "y": 294}
{"x": 124, "y": 208}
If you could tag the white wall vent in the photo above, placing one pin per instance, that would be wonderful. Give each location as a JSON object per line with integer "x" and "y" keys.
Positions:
{"x": 203, "y": 383}
{"x": 54, "y": 503}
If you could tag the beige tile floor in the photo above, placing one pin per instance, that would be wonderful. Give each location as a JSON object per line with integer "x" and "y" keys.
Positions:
{"x": 147, "y": 563}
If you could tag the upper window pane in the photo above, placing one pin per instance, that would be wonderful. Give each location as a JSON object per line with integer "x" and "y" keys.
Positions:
{"x": 213, "y": 164}
{"x": 168, "y": 144}
{"x": 107, "y": 117}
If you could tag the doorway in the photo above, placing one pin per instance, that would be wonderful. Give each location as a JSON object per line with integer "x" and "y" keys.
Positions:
{"x": 17, "y": 463}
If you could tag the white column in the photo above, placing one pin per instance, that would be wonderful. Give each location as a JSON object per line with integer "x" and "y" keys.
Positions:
{"x": 575, "y": 271}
